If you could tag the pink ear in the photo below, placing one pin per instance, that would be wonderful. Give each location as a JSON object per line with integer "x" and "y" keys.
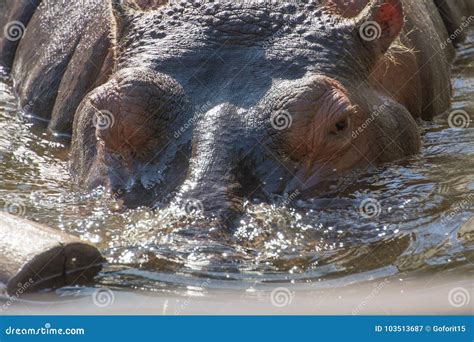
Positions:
{"x": 381, "y": 22}
{"x": 390, "y": 18}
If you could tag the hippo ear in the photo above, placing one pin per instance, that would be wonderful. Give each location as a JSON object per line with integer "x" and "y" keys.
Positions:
{"x": 380, "y": 23}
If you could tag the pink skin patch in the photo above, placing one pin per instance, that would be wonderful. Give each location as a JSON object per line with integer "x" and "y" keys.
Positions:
{"x": 390, "y": 16}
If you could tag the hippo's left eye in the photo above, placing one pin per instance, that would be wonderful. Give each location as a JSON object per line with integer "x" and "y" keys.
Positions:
{"x": 340, "y": 126}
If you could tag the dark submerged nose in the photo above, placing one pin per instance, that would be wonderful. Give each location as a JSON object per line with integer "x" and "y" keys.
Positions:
{"x": 214, "y": 182}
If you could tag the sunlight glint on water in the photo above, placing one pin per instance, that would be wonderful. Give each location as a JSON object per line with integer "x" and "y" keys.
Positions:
{"x": 402, "y": 217}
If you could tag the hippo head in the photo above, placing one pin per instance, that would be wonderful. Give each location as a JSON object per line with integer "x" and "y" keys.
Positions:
{"x": 224, "y": 102}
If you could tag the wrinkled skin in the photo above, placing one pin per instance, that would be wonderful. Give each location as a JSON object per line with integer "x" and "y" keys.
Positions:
{"x": 171, "y": 103}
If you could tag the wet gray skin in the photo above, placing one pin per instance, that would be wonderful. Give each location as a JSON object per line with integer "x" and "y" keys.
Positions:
{"x": 307, "y": 237}
{"x": 215, "y": 104}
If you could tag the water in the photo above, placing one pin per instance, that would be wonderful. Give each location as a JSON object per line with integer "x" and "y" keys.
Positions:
{"x": 398, "y": 221}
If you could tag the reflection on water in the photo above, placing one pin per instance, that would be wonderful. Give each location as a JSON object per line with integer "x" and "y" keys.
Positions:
{"x": 402, "y": 217}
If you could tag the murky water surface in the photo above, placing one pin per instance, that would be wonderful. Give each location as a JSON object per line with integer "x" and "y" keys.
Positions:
{"x": 401, "y": 218}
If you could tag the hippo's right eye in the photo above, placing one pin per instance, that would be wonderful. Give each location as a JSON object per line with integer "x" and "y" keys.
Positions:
{"x": 341, "y": 125}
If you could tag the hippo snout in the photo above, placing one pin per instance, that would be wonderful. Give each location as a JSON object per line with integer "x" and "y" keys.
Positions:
{"x": 223, "y": 204}
{"x": 218, "y": 108}
{"x": 217, "y": 165}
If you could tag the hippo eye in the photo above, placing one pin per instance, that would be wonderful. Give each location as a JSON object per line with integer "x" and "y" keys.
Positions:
{"x": 340, "y": 126}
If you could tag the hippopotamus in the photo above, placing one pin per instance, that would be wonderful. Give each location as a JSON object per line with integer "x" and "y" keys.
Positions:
{"x": 216, "y": 103}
